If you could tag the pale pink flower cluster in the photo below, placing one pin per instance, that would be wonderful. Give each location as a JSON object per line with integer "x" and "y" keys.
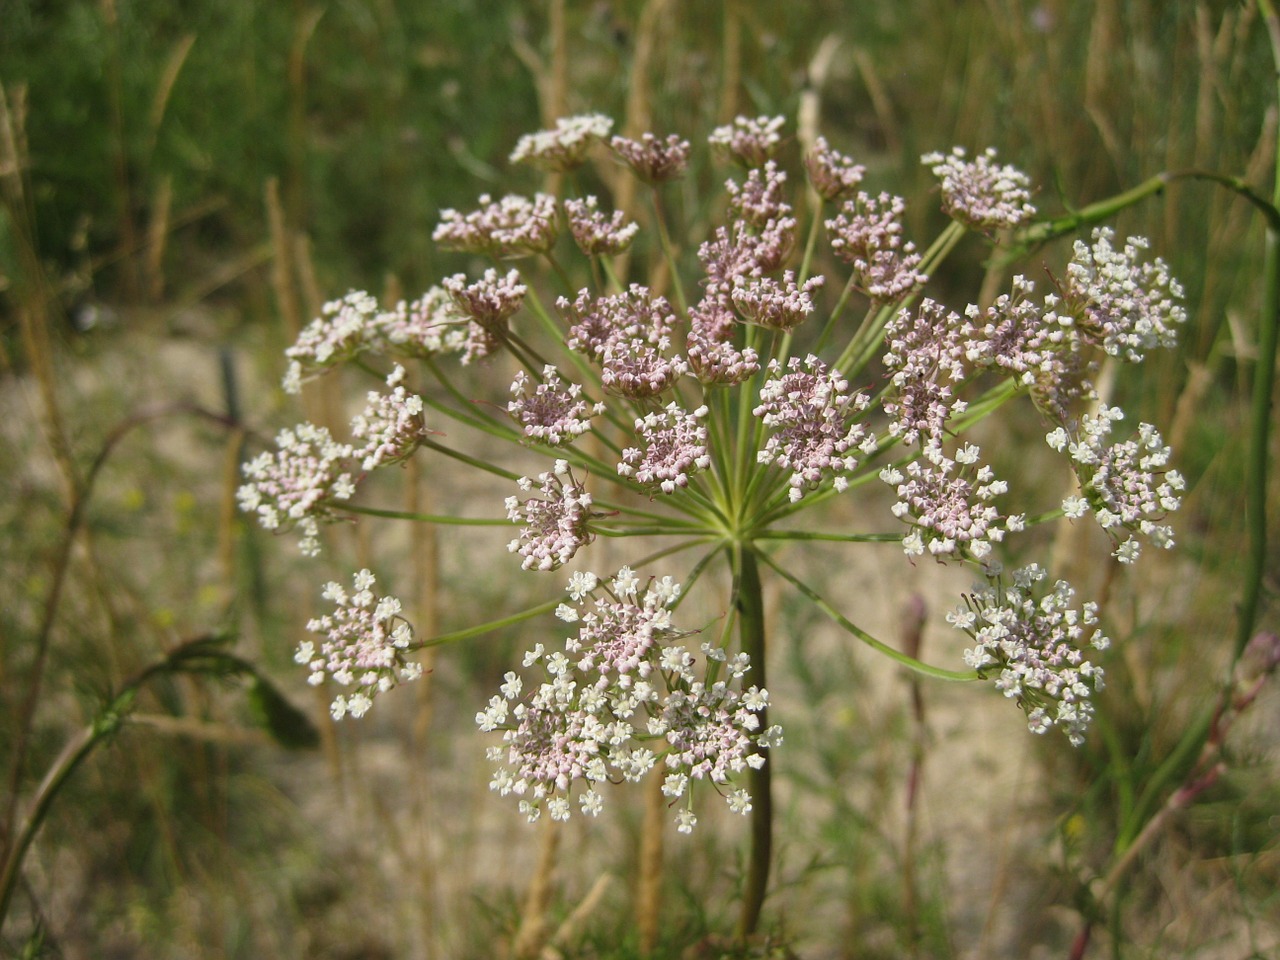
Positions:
{"x": 491, "y": 301}
{"x": 811, "y": 416}
{"x": 338, "y": 334}
{"x": 597, "y": 322}
{"x": 674, "y": 445}
{"x": 654, "y": 161}
{"x": 299, "y": 484}
{"x": 565, "y": 147}
{"x": 750, "y": 141}
{"x": 594, "y": 233}
{"x": 1127, "y": 485}
{"x": 621, "y": 698}
{"x": 425, "y": 327}
{"x": 1034, "y": 646}
{"x": 778, "y": 305}
{"x": 980, "y": 192}
{"x": 867, "y": 235}
{"x": 760, "y": 199}
{"x": 554, "y": 412}
{"x": 833, "y": 175}
{"x": 924, "y": 352}
{"x": 363, "y": 646}
{"x": 391, "y": 425}
{"x": 947, "y": 501}
{"x": 555, "y": 519}
{"x": 713, "y": 355}
{"x": 514, "y": 226}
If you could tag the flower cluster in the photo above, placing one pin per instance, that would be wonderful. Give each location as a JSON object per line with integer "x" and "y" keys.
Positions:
{"x": 338, "y": 334}
{"x": 980, "y": 192}
{"x": 391, "y": 425}
{"x": 749, "y": 141}
{"x": 811, "y": 415}
{"x": 594, "y": 233}
{"x": 1034, "y": 645}
{"x": 1127, "y": 485}
{"x": 299, "y": 484}
{"x": 555, "y": 412}
{"x": 867, "y": 235}
{"x": 833, "y": 175}
{"x": 924, "y": 353}
{"x": 566, "y": 146}
{"x": 363, "y": 645}
{"x": 555, "y": 522}
{"x": 773, "y": 304}
{"x": 1120, "y": 303}
{"x": 675, "y": 445}
{"x": 948, "y": 501}
{"x": 514, "y": 226}
{"x": 619, "y": 699}
{"x": 654, "y": 161}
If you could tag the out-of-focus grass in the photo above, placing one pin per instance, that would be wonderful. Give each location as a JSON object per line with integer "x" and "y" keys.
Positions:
{"x": 152, "y": 131}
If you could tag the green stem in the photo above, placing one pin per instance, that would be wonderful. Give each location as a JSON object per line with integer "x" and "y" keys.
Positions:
{"x": 478, "y": 629}
{"x": 938, "y": 673}
{"x": 442, "y": 519}
{"x": 750, "y": 609}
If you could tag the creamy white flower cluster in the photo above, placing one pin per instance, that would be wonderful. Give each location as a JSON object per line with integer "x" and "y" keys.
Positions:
{"x": 1033, "y": 643}
{"x": 1127, "y": 485}
{"x": 363, "y": 645}
{"x": 621, "y": 697}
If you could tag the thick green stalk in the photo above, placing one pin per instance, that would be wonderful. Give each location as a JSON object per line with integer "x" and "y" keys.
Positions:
{"x": 750, "y": 608}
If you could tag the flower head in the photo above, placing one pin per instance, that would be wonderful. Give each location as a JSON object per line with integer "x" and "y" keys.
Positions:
{"x": 299, "y": 484}
{"x": 391, "y": 425}
{"x": 1033, "y": 643}
{"x": 674, "y": 446}
{"x": 342, "y": 330}
{"x": 980, "y": 192}
{"x": 749, "y": 141}
{"x": 491, "y": 300}
{"x": 363, "y": 645}
{"x": 653, "y": 160}
{"x": 555, "y": 523}
{"x": 811, "y": 416}
{"x": 554, "y": 412}
{"x": 514, "y": 226}
{"x": 566, "y": 146}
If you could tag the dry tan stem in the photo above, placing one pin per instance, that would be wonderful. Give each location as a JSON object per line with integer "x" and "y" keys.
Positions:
{"x": 532, "y": 935}
{"x": 574, "y": 923}
{"x": 731, "y": 46}
{"x": 649, "y": 885}
{"x": 157, "y": 237}
{"x": 281, "y": 275}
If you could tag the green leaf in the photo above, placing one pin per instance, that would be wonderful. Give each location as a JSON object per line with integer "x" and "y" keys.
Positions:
{"x": 288, "y": 726}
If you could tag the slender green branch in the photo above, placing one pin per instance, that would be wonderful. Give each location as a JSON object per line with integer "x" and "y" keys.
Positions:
{"x": 437, "y": 518}
{"x": 489, "y": 626}
{"x": 837, "y": 537}
{"x": 898, "y": 656}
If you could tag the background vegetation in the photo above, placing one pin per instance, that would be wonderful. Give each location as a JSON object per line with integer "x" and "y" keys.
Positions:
{"x": 185, "y": 183}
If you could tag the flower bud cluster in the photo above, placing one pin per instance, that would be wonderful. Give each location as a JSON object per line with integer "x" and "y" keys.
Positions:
{"x": 363, "y": 645}
{"x": 621, "y": 698}
{"x": 654, "y": 161}
{"x": 555, "y": 522}
{"x": 555, "y": 412}
{"x": 1033, "y": 643}
{"x": 811, "y": 415}
{"x": 760, "y": 198}
{"x": 980, "y": 192}
{"x": 773, "y": 304}
{"x": 491, "y": 301}
{"x": 833, "y": 175}
{"x": 1127, "y": 485}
